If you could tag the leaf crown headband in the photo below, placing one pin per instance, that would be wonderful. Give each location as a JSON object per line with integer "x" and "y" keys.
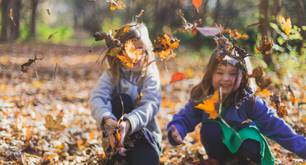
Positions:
{"x": 227, "y": 52}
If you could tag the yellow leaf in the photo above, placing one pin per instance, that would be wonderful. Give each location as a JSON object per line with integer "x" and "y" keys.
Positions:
{"x": 164, "y": 46}
{"x": 116, "y": 5}
{"x": 37, "y": 84}
{"x": 130, "y": 56}
{"x": 209, "y": 105}
{"x": 263, "y": 93}
{"x": 54, "y": 124}
{"x": 285, "y": 24}
{"x": 189, "y": 73}
{"x": 80, "y": 144}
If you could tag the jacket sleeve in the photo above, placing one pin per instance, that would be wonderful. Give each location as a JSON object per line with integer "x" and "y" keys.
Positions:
{"x": 150, "y": 101}
{"x": 276, "y": 129}
{"x": 185, "y": 121}
{"x": 100, "y": 99}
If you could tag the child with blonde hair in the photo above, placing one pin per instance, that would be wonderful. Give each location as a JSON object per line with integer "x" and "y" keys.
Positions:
{"x": 127, "y": 98}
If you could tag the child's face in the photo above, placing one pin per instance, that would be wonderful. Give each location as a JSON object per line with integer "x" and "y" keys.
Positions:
{"x": 225, "y": 76}
{"x": 138, "y": 45}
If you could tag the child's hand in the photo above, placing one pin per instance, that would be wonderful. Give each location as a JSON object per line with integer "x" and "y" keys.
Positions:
{"x": 175, "y": 135}
{"x": 110, "y": 123}
{"x": 124, "y": 128}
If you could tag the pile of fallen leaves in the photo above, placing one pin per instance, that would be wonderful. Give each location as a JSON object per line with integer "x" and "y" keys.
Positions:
{"x": 46, "y": 118}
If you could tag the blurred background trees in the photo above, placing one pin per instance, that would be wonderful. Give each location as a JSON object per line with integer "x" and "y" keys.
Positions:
{"x": 74, "y": 22}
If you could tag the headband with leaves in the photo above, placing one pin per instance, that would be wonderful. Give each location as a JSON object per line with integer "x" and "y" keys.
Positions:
{"x": 225, "y": 50}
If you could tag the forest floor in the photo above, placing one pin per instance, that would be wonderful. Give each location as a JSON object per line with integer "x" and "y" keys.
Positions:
{"x": 45, "y": 114}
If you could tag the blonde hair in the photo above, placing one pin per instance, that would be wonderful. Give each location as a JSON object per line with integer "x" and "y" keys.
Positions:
{"x": 140, "y": 32}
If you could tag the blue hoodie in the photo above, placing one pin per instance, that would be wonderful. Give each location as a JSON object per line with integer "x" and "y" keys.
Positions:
{"x": 260, "y": 115}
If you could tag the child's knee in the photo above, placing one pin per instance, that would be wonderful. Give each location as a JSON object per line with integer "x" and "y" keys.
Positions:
{"x": 250, "y": 149}
{"x": 211, "y": 131}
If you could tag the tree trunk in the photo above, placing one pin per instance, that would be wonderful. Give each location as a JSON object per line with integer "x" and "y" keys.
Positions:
{"x": 301, "y": 22}
{"x": 276, "y": 8}
{"x": 264, "y": 29}
{"x": 15, "y": 26}
{"x": 128, "y": 10}
{"x": 33, "y": 19}
{"x": 10, "y": 25}
{"x": 216, "y": 15}
{"x": 5, "y": 19}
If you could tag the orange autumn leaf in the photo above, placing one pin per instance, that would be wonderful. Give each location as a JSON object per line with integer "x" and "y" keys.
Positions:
{"x": 209, "y": 105}
{"x": 91, "y": 135}
{"x": 263, "y": 93}
{"x": 233, "y": 33}
{"x": 130, "y": 56}
{"x": 177, "y": 76}
{"x": 197, "y": 4}
{"x": 304, "y": 119}
{"x": 118, "y": 136}
{"x": 164, "y": 46}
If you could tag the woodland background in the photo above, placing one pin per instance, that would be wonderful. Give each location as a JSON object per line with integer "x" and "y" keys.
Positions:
{"x": 49, "y": 62}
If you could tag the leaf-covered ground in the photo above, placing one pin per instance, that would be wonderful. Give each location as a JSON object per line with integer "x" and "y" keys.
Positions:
{"x": 45, "y": 115}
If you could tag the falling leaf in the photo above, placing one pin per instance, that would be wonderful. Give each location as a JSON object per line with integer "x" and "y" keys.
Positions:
{"x": 25, "y": 66}
{"x": 164, "y": 46}
{"x": 285, "y": 24}
{"x": 209, "y": 105}
{"x": 209, "y": 31}
{"x": 187, "y": 26}
{"x": 51, "y": 35}
{"x": 177, "y": 76}
{"x": 261, "y": 80}
{"x": 266, "y": 46}
{"x": 11, "y": 16}
{"x": 197, "y": 4}
{"x": 281, "y": 109}
{"x": 54, "y": 124}
{"x": 115, "y": 4}
{"x": 234, "y": 34}
{"x": 130, "y": 56}
{"x": 48, "y": 11}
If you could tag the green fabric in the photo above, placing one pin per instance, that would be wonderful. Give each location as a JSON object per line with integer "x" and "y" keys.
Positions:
{"x": 233, "y": 140}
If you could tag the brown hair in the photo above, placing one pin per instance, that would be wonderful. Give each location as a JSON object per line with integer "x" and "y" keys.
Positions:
{"x": 204, "y": 89}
